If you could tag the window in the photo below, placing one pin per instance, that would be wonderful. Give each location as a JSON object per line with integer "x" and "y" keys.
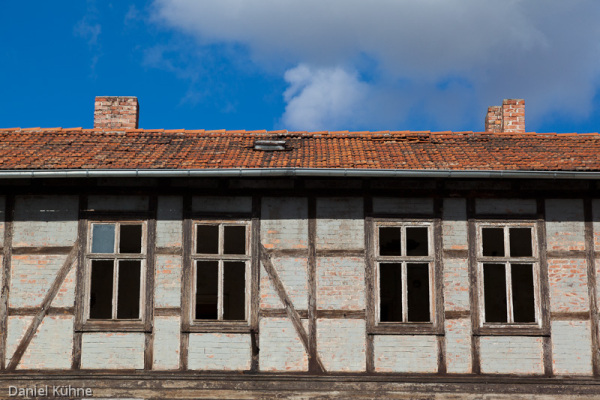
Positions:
{"x": 508, "y": 266}
{"x": 115, "y": 267}
{"x": 404, "y": 258}
{"x": 221, "y": 271}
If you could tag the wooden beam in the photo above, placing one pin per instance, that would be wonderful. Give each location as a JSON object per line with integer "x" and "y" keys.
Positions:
{"x": 592, "y": 291}
{"x": 6, "y": 265}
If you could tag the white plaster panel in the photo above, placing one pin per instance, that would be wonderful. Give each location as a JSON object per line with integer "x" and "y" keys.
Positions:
{"x": 112, "y": 350}
{"x": 454, "y": 225}
{"x": 15, "y": 331}
{"x": 341, "y": 283}
{"x": 293, "y": 274}
{"x": 268, "y": 295}
{"x": 51, "y": 346}
{"x": 340, "y": 223}
{"x": 342, "y": 344}
{"x": 31, "y": 278}
{"x": 403, "y": 353}
{"x": 169, "y": 225}
{"x": 167, "y": 284}
{"x": 118, "y": 203}
{"x": 571, "y": 347}
{"x": 219, "y": 351}
{"x": 458, "y": 346}
{"x": 222, "y": 204}
{"x": 66, "y": 293}
{"x": 45, "y": 220}
{"x": 400, "y": 205}
{"x": 511, "y": 355}
{"x": 506, "y": 206}
{"x": 564, "y": 224}
{"x": 284, "y": 222}
{"x": 280, "y": 346}
{"x": 167, "y": 339}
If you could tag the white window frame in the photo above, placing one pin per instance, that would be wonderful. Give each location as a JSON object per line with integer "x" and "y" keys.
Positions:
{"x": 115, "y": 257}
{"x": 222, "y": 258}
{"x": 507, "y": 261}
{"x": 404, "y": 260}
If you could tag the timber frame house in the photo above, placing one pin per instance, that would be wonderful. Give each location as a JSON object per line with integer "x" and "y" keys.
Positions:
{"x": 146, "y": 264}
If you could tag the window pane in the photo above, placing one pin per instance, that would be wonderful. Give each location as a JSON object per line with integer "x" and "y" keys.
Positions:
{"x": 235, "y": 240}
{"x": 493, "y": 242}
{"x": 103, "y": 238}
{"x": 522, "y": 292}
{"x": 494, "y": 287}
{"x": 390, "y": 292}
{"x": 207, "y": 239}
{"x": 417, "y": 286}
{"x": 389, "y": 241}
{"x": 101, "y": 289}
{"x": 520, "y": 242}
{"x": 234, "y": 291}
{"x": 128, "y": 300}
{"x": 207, "y": 286}
{"x": 416, "y": 242}
{"x": 130, "y": 240}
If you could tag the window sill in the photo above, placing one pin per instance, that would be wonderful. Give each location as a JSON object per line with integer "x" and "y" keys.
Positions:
{"x": 511, "y": 330}
{"x": 113, "y": 326}
{"x": 217, "y": 327}
{"x": 393, "y": 328}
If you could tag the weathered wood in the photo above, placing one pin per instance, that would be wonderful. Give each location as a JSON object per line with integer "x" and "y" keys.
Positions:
{"x": 313, "y": 356}
{"x": 473, "y": 293}
{"x": 289, "y": 306}
{"x": 6, "y": 273}
{"x": 82, "y": 224}
{"x": 544, "y": 286}
{"x": 148, "y": 304}
{"x": 167, "y": 312}
{"x": 186, "y": 284}
{"x": 570, "y": 316}
{"x": 280, "y": 313}
{"x": 255, "y": 238}
{"x": 47, "y": 250}
{"x": 591, "y": 283}
{"x": 37, "y": 320}
{"x": 169, "y": 251}
{"x": 32, "y": 311}
{"x": 369, "y": 283}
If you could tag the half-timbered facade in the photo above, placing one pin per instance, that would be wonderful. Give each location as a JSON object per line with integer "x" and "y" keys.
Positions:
{"x": 144, "y": 264}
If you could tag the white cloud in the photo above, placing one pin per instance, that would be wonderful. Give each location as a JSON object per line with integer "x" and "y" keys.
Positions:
{"x": 433, "y": 57}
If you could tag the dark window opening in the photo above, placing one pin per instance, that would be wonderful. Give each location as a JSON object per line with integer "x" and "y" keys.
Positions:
{"x": 128, "y": 304}
{"x": 235, "y": 240}
{"x": 494, "y": 288}
{"x": 101, "y": 289}
{"x": 234, "y": 291}
{"x": 493, "y": 242}
{"x": 520, "y": 242}
{"x": 416, "y": 241}
{"x": 522, "y": 292}
{"x": 417, "y": 280}
{"x": 207, "y": 283}
{"x": 207, "y": 239}
{"x": 130, "y": 240}
{"x": 389, "y": 241}
{"x": 390, "y": 292}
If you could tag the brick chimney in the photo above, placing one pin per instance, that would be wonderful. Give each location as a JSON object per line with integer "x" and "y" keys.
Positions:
{"x": 116, "y": 112}
{"x": 509, "y": 117}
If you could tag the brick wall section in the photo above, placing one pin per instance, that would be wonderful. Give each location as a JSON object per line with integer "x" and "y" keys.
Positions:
{"x": 112, "y": 351}
{"x": 222, "y": 204}
{"x": 284, "y": 223}
{"x": 45, "y": 221}
{"x": 340, "y": 223}
{"x": 280, "y": 346}
{"x": 493, "y": 119}
{"x": 511, "y": 355}
{"x": 341, "y": 283}
{"x": 219, "y": 351}
{"x": 454, "y": 227}
{"x": 405, "y": 353}
{"x": 506, "y": 206}
{"x": 66, "y": 293}
{"x": 458, "y": 346}
{"x": 456, "y": 284}
{"x": 293, "y": 274}
{"x": 15, "y": 331}
{"x": 31, "y": 277}
{"x": 571, "y": 347}
{"x": 111, "y": 112}
{"x": 167, "y": 289}
{"x": 169, "y": 222}
{"x": 564, "y": 224}
{"x": 513, "y": 115}
{"x": 342, "y": 344}
{"x": 167, "y": 337}
{"x": 568, "y": 285}
{"x": 395, "y": 205}
{"x": 118, "y": 203}
{"x": 52, "y": 345}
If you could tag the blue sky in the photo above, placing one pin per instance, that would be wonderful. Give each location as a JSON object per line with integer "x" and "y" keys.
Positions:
{"x": 302, "y": 65}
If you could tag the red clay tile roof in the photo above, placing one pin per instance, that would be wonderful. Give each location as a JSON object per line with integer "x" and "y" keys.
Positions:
{"x": 56, "y": 148}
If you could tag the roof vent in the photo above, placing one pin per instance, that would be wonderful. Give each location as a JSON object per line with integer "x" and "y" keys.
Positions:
{"x": 270, "y": 145}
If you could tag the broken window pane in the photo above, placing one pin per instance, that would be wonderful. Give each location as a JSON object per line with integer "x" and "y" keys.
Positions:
{"x": 417, "y": 286}
{"x": 103, "y": 238}
{"x": 130, "y": 240}
{"x": 494, "y": 288}
{"x": 207, "y": 284}
{"x": 207, "y": 239}
{"x": 520, "y": 242}
{"x": 416, "y": 241}
{"x": 235, "y": 240}
{"x": 389, "y": 241}
{"x": 522, "y": 292}
{"x": 493, "y": 242}
{"x": 128, "y": 297}
{"x": 234, "y": 291}
{"x": 101, "y": 291}
{"x": 390, "y": 292}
